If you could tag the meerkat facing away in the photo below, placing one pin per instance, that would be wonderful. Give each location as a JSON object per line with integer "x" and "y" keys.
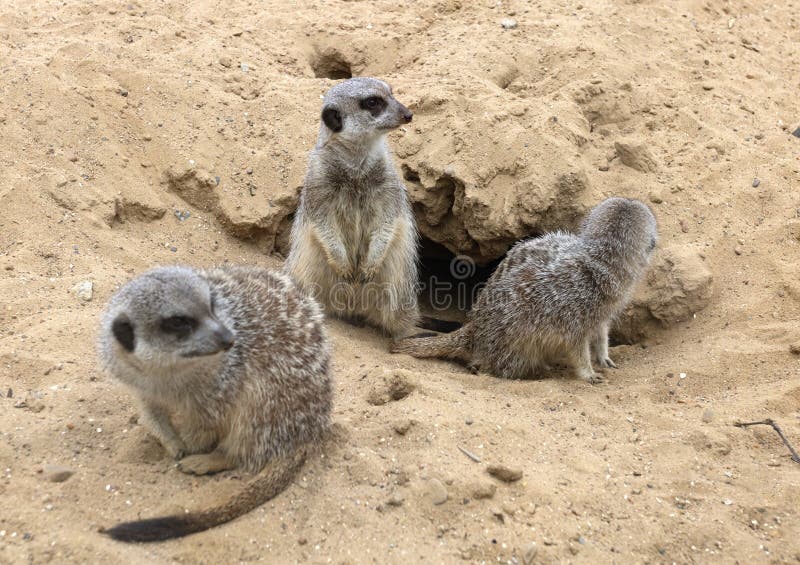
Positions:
{"x": 554, "y": 296}
{"x": 354, "y": 239}
{"x": 231, "y": 367}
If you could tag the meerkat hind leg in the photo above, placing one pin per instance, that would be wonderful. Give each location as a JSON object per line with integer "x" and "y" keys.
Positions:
{"x": 206, "y": 463}
{"x": 600, "y": 345}
{"x": 581, "y": 360}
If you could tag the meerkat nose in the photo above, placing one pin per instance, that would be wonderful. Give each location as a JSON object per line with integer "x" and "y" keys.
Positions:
{"x": 407, "y": 115}
{"x": 225, "y": 337}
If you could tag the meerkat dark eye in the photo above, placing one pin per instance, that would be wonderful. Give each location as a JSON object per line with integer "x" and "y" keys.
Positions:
{"x": 180, "y": 326}
{"x": 374, "y": 105}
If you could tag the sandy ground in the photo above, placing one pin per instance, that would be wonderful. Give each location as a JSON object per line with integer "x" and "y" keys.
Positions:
{"x": 116, "y": 115}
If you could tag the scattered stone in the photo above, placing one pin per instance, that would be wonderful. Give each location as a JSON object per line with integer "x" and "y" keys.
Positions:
{"x": 437, "y": 492}
{"x": 737, "y": 250}
{"x": 123, "y": 92}
{"x": 504, "y": 473}
{"x": 636, "y": 155}
{"x": 10, "y": 393}
{"x": 401, "y": 427}
{"x": 182, "y": 215}
{"x": 57, "y": 473}
{"x": 530, "y": 553}
{"x": 226, "y": 62}
{"x": 497, "y": 513}
{"x": 508, "y": 23}
{"x": 483, "y": 489}
{"x": 796, "y": 132}
{"x": 173, "y": 249}
{"x": 756, "y": 182}
{"x": 793, "y": 348}
{"x": 245, "y": 67}
{"x": 397, "y": 499}
{"x": 708, "y": 86}
{"x": 468, "y": 421}
{"x": 84, "y": 290}
{"x": 655, "y": 198}
{"x": 708, "y": 415}
{"x": 395, "y": 385}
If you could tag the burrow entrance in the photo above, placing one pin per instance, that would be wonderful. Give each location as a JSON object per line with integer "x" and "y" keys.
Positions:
{"x": 330, "y": 63}
{"x": 449, "y": 283}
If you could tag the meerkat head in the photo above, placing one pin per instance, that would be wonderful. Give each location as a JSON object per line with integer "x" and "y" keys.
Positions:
{"x": 165, "y": 318}
{"x": 362, "y": 109}
{"x": 623, "y": 226}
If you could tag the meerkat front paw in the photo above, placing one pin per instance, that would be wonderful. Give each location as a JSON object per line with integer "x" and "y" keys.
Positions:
{"x": 367, "y": 275}
{"x": 176, "y": 450}
{"x": 204, "y": 464}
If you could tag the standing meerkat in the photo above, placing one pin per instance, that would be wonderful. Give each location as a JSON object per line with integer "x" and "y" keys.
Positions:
{"x": 231, "y": 366}
{"x": 553, "y": 297}
{"x": 354, "y": 239}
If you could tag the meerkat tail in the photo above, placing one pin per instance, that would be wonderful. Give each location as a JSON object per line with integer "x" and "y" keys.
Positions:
{"x": 269, "y": 483}
{"x": 454, "y": 345}
{"x": 438, "y": 325}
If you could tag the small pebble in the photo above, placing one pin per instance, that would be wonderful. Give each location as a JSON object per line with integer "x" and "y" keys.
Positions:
{"x": 123, "y": 92}
{"x": 437, "y": 492}
{"x": 173, "y": 249}
{"x": 737, "y": 250}
{"x": 793, "y": 348}
{"x": 508, "y": 23}
{"x": 484, "y": 489}
{"x": 503, "y": 473}
{"x": 402, "y": 427}
{"x": 708, "y": 415}
{"x": 530, "y": 553}
{"x": 756, "y": 182}
{"x": 57, "y": 473}
{"x": 796, "y": 132}
{"x": 396, "y": 499}
{"x": 84, "y": 290}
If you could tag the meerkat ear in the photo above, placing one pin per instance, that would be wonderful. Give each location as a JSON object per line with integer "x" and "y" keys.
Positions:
{"x": 332, "y": 118}
{"x": 123, "y": 331}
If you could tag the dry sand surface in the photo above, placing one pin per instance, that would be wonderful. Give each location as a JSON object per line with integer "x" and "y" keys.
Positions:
{"x": 116, "y": 115}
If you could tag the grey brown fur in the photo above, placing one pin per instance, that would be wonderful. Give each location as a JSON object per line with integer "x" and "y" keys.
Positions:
{"x": 231, "y": 367}
{"x": 553, "y": 297}
{"x": 354, "y": 239}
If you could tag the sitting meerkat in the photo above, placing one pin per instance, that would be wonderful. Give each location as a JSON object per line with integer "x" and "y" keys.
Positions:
{"x": 553, "y": 297}
{"x": 231, "y": 367}
{"x": 354, "y": 239}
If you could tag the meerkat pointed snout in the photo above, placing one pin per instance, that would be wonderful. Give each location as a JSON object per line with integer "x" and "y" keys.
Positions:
{"x": 554, "y": 297}
{"x": 354, "y": 238}
{"x": 231, "y": 368}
